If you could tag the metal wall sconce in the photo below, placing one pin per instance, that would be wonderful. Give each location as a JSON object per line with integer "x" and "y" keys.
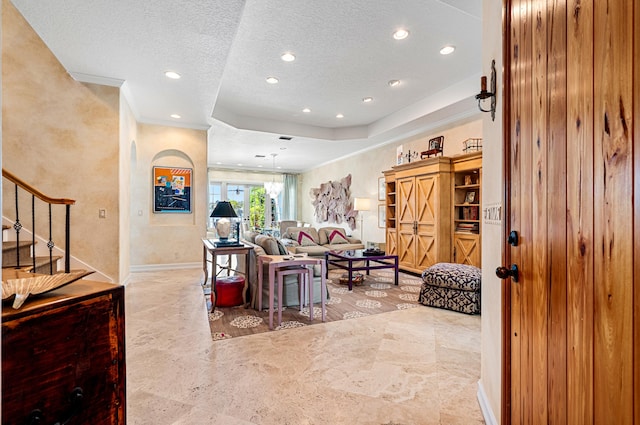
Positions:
{"x": 484, "y": 94}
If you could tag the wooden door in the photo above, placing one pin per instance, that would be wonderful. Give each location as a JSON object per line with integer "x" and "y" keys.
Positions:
{"x": 406, "y": 217}
{"x": 572, "y": 164}
{"x": 426, "y": 190}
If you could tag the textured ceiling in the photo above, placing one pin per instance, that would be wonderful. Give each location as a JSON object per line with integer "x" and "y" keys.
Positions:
{"x": 225, "y": 49}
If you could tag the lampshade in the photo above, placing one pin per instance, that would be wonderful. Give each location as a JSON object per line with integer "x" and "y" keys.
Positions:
{"x": 361, "y": 204}
{"x": 223, "y": 209}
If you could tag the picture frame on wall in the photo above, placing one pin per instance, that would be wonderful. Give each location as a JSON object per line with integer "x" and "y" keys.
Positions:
{"x": 172, "y": 189}
{"x": 382, "y": 217}
{"x": 381, "y": 189}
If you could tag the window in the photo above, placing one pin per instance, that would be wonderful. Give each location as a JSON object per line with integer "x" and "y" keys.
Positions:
{"x": 257, "y": 215}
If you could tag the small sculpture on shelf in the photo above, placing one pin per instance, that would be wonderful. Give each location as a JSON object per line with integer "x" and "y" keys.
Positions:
{"x": 436, "y": 146}
{"x": 411, "y": 156}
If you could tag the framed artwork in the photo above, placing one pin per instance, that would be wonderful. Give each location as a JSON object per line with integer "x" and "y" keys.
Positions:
{"x": 171, "y": 190}
{"x": 381, "y": 216}
{"x": 471, "y": 196}
{"x": 381, "y": 189}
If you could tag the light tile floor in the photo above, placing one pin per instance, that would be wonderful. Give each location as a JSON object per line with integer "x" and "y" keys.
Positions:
{"x": 415, "y": 366}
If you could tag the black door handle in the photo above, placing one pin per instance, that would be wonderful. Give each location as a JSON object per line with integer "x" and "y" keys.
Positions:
{"x": 505, "y": 273}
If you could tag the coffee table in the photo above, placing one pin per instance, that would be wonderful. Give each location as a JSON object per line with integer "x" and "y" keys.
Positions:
{"x": 351, "y": 262}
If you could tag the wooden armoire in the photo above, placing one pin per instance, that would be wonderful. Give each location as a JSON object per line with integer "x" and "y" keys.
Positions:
{"x": 418, "y": 213}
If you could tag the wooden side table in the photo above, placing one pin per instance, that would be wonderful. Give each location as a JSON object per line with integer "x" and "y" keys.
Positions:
{"x": 215, "y": 251}
{"x": 277, "y": 262}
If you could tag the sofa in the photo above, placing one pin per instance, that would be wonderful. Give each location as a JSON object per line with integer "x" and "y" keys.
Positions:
{"x": 315, "y": 242}
{"x": 268, "y": 245}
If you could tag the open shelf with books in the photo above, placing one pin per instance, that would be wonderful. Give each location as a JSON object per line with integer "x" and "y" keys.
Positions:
{"x": 390, "y": 213}
{"x": 467, "y": 184}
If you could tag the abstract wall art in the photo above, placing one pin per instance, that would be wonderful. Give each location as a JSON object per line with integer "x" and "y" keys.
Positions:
{"x": 332, "y": 202}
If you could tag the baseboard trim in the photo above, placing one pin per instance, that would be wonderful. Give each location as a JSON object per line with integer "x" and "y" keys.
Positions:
{"x": 487, "y": 413}
{"x": 161, "y": 267}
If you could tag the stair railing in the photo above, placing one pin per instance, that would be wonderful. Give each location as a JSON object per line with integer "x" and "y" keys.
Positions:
{"x": 17, "y": 226}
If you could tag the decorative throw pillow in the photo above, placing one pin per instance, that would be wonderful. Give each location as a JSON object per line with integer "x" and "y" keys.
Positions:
{"x": 250, "y": 236}
{"x": 306, "y": 236}
{"x": 268, "y": 243}
{"x": 281, "y": 248}
{"x": 337, "y": 236}
{"x": 324, "y": 233}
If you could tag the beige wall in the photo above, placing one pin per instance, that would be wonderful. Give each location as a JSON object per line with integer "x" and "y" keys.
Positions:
{"x": 366, "y": 167}
{"x": 128, "y": 136}
{"x": 492, "y": 193}
{"x": 62, "y": 137}
{"x": 169, "y": 238}
{"x": 81, "y": 141}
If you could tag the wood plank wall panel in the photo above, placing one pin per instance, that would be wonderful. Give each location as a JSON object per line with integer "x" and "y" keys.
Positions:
{"x": 613, "y": 338}
{"x": 636, "y": 210}
{"x": 538, "y": 161}
{"x": 557, "y": 203}
{"x": 509, "y": 193}
{"x": 526, "y": 207}
{"x": 517, "y": 405}
{"x": 580, "y": 247}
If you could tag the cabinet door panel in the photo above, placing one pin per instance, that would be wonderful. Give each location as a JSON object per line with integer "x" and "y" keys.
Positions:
{"x": 426, "y": 252}
{"x": 406, "y": 202}
{"x": 426, "y": 199}
{"x": 467, "y": 248}
{"x": 391, "y": 248}
{"x": 406, "y": 250}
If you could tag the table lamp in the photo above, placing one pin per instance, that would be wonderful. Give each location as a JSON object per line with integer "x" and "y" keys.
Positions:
{"x": 223, "y": 211}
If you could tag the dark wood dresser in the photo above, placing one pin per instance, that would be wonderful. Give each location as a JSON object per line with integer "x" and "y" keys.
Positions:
{"x": 63, "y": 357}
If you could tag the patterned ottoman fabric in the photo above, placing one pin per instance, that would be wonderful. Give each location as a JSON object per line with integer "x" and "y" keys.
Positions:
{"x": 455, "y": 276}
{"x": 451, "y": 286}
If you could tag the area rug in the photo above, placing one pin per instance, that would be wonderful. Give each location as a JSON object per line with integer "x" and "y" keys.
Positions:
{"x": 376, "y": 294}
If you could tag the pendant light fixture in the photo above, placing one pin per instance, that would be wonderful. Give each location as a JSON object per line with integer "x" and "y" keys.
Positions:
{"x": 273, "y": 188}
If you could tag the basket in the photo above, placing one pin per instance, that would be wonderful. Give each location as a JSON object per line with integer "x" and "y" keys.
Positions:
{"x": 358, "y": 278}
{"x": 472, "y": 145}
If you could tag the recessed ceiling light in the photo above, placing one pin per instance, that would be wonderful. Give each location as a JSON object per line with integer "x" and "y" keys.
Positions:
{"x": 367, "y": 99}
{"x": 447, "y": 50}
{"x": 259, "y": 166}
{"x": 401, "y": 34}
{"x": 172, "y": 74}
{"x": 306, "y": 110}
{"x": 272, "y": 80}
{"x": 239, "y": 165}
{"x": 394, "y": 83}
{"x": 283, "y": 149}
{"x": 288, "y": 57}
{"x": 176, "y": 116}
{"x": 339, "y": 116}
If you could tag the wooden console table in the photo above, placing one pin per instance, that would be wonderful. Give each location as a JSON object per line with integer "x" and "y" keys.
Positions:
{"x": 63, "y": 358}
{"x": 216, "y": 251}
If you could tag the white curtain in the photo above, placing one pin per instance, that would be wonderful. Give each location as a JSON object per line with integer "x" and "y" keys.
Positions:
{"x": 289, "y": 197}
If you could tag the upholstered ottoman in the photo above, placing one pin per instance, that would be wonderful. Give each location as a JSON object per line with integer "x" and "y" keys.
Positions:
{"x": 451, "y": 286}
